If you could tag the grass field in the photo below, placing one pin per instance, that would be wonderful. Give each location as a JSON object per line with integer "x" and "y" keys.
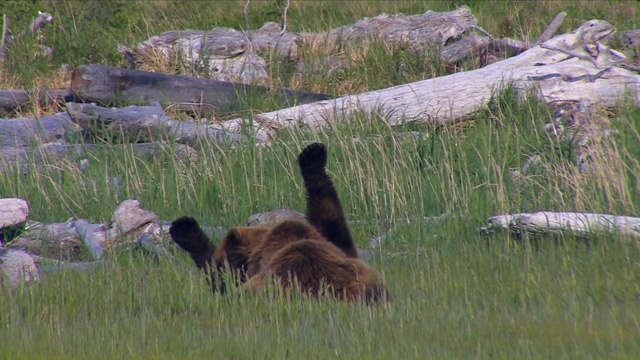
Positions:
{"x": 456, "y": 293}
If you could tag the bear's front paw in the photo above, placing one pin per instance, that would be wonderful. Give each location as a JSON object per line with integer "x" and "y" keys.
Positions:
{"x": 313, "y": 157}
{"x": 182, "y": 228}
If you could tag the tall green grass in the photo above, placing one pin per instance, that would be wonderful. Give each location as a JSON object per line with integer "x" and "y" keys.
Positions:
{"x": 456, "y": 294}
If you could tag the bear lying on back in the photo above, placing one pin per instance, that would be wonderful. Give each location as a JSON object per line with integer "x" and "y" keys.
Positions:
{"x": 318, "y": 254}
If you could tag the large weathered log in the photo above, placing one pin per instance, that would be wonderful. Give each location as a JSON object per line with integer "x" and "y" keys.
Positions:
{"x": 228, "y": 54}
{"x": 22, "y": 132}
{"x": 552, "y": 74}
{"x": 419, "y": 32}
{"x": 581, "y": 224}
{"x": 18, "y": 99}
{"x": 27, "y": 158}
{"x": 144, "y": 123}
{"x": 111, "y": 85}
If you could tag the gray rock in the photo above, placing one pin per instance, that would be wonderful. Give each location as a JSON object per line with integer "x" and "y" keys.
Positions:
{"x": 17, "y": 268}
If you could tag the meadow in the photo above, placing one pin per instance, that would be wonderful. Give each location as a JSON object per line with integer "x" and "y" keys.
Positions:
{"x": 456, "y": 293}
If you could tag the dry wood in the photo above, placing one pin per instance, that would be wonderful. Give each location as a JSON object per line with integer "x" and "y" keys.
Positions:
{"x": 550, "y": 74}
{"x": 129, "y": 217}
{"x": 21, "y": 132}
{"x": 13, "y": 212}
{"x": 59, "y": 240}
{"x": 228, "y": 54}
{"x": 631, "y": 38}
{"x": 421, "y": 32}
{"x": 36, "y": 25}
{"x": 27, "y": 158}
{"x": 498, "y": 48}
{"x": 111, "y": 85}
{"x": 91, "y": 241}
{"x": 145, "y": 123}
{"x": 19, "y": 99}
{"x": 570, "y": 222}
{"x": 65, "y": 240}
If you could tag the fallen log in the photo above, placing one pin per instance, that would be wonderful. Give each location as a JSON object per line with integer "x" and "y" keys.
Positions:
{"x": 27, "y": 158}
{"x": 21, "y": 132}
{"x": 145, "y": 123}
{"x": 582, "y": 224}
{"x": 111, "y": 86}
{"x": 234, "y": 55}
{"x": 550, "y": 74}
{"x": 420, "y": 32}
{"x": 19, "y": 99}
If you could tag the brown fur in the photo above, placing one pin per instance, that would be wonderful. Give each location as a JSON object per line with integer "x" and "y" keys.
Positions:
{"x": 318, "y": 268}
{"x": 320, "y": 256}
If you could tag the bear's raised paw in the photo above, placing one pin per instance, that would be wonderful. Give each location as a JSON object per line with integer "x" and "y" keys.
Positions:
{"x": 313, "y": 158}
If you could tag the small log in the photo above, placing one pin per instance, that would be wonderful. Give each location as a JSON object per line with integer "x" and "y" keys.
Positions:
{"x": 13, "y": 212}
{"x": 21, "y": 132}
{"x": 581, "y": 224}
{"x": 27, "y": 159}
{"x": 110, "y": 86}
{"x": 551, "y": 30}
{"x": 145, "y": 123}
{"x": 19, "y": 99}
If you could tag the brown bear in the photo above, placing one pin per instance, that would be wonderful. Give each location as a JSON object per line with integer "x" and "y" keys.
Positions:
{"x": 319, "y": 253}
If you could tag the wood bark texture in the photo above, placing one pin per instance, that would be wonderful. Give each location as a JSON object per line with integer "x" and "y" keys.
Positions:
{"x": 145, "y": 123}
{"x": 110, "y": 85}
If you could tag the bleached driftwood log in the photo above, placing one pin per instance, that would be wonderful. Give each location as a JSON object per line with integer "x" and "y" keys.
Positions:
{"x": 111, "y": 85}
{"x": 228, "y": 54}
{"x": 144, "y": 123}
{"x": 420, "y": 32}
{"x": 551, "y": 74}
{"x": 28, "y": 158}
{"x": 581, "y": 224}
{"x": 18, "y": 99}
